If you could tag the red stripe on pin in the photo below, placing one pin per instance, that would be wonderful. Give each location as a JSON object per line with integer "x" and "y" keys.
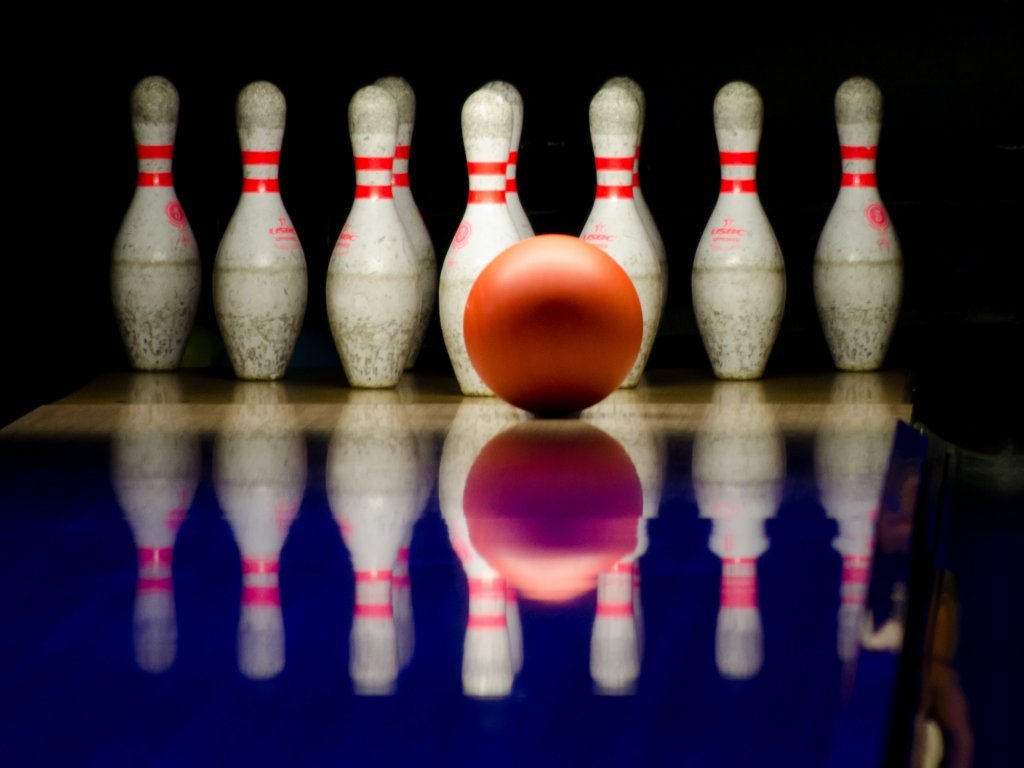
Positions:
{"x": 402, "y": 152}
{"x": 858, "y": 153}
{"x": 255, "y": 565}
{"x": 487, "y": 622}
{"x": 373, "y": 163}
{"x": 860, "y": 180}
{"x": 510, "y": 186}
{"x": 374, "y": 611}
{"x": 154, "y": 557}
{"x": 261, "y": 596}
{"x": 256, "y": 157}
{"x": 492, "y": 588}
{"x": 260, "y": 185}
{"x": 401, "y": 581}
{"x": 739, "y": 186}
{"x": 156, "y": 179}
{"x": 400, "y": 180}
{"x": 155, "y": 585}
{"x": 614, "y": 163}
{"x": 513, "y": 157}
{"x": 369, "y": 576}
{"x": 373, "y": 192}
{"x": 737, "y": 158}
{"x": 622, "y": 567}
{"x": 487, "y": 169}
{"x": 636, "y": 179}
{"x": 403, "y": 555}
{"x": 614, "y": 609}
{"x": 618, "y": 191}
{"x": 154, "y": 151}
{"x": 487, "y": 196}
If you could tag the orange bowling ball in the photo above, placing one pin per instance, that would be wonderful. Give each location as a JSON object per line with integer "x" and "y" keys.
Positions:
{"x": 553, "y": 324}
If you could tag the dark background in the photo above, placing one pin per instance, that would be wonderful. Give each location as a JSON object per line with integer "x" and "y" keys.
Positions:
{"x": 950, "y": 165}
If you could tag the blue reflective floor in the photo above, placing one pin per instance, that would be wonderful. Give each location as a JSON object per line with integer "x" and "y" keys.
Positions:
{"x": 207, "y": 573}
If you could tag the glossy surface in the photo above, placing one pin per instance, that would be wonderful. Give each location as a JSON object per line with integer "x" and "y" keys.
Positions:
{"x": 553, "y": 324}
{"x": 213, "y": 573}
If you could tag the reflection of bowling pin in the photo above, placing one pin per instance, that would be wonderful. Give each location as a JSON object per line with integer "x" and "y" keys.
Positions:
{"x": 851, "y": 454}
{"x": 486, "y": 229}
{"x": 372, "y": 487}
{"x": 408, "y": 212}
{"x": 515, "y": 207}
{"x": 739, "y": 466}
{"x": 373, "y": 294}
{"x": 614, "y": 643}
{"x": 488, "y": 665}
{"x": 259, "y": 474}
{"x": 858, "y": 274}
{"x": 154, "y": 277}
{"x": 638, "y": 196}
{"x": 614, "y": 224}
{"x": 738, "y": 281}
{"x": 259, "y": 277}
{"x": 154, "y": 471}
{"x": 621, "y": 415}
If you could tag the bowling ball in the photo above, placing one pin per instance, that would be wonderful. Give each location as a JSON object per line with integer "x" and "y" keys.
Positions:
{"x": 551, "y": 506}
{"x": 553, "y": 325}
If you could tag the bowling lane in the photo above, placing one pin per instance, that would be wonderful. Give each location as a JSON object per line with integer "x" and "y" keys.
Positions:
{"x": 198, "y": 570}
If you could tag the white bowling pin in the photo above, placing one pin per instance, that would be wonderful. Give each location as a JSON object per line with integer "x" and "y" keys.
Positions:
{"x": 372, "y": 489}
{"x": 858, "y": 272}
{"x": 373, "y": 297}
{"x": 259, "y": 475}
{"x": 155, "y": 274}
{"x": 154, "y": 467}
{"x": 614, "y": 224}
{"x": 851, "y": 454}
{"x": 739, "y": 278}
{"x": 408, "y": 212}
{"x": 638, "y": 196}
{"x": 739, "y": 467}
{"x": 259, "y": 276}
{"x": 486, "y": 229}
{"x": 515, "y": 206}
{"x": 491, "y": 655}
{"x": 614, "y": 643}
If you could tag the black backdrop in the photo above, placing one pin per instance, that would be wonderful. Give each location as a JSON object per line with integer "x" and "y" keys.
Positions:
{"x": 951, "y": 159}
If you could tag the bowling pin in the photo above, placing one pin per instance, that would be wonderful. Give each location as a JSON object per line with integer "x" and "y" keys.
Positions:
{"x": 851, "y": 455}
{"x": 408, "y": 212}
{"x": 491, "y": 654}
{"x": 372, "y": 488}
{"x": 155, "y": 467}
{"x": 614, "y": 224}
{"x": 858, "y": 273}
{"x": 259, "y": 276}
{"x": 486, "y": 229}
{"x": 259, "y": 476}
{"x": 638, "y": 196}
{"x": 373, "y": 297}
{"x": 739, "y": 279}
{"x": 614, "y": 643}
{"x": 155, "y": 274}
{"x": 515, "y": 207}
{"x": 739, "y": 468}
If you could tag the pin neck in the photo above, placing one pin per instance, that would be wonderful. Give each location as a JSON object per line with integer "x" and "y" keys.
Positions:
{"x": 615, "y": 177}
{"x": 858, "y": 165}
{"x": 739, "y": 170}
{"x": 260, "y": 170}
{"x": 487, "y": 183}
{"x": 373, "y": 177}
{"x": 739, "y": 583}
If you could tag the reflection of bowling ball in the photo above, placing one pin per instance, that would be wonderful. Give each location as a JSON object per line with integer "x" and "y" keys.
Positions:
{"x": 553, "y": 324}
{"x": 551, "y": 506}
